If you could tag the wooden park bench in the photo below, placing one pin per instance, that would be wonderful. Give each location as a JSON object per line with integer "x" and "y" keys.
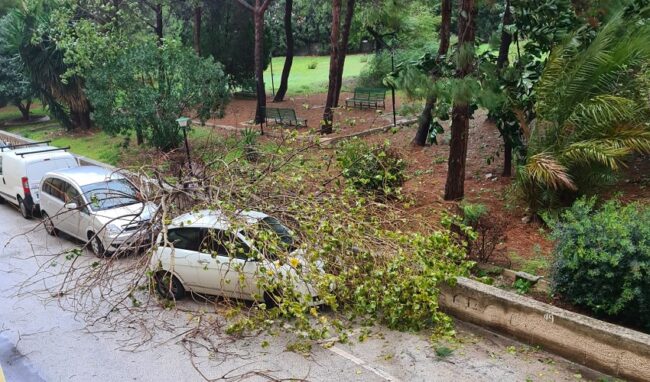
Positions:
{"x": 368, "y": 98}
{"x": 283, "y": 117}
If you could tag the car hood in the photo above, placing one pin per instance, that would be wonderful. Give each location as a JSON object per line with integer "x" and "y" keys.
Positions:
{"x": 127, "y": 215}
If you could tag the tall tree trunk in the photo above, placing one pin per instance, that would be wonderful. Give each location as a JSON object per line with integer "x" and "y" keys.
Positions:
{"x": 288, "y": 62}
{"x": 343, "y": 49}
{"x": 506, "y": 38}
{"x": 328, "y": 115}
{"x": 258, "y": 19}
{"x": 158, "y": 9}
{"x": 424, "y": 122}
{"x": 197, "y": 30}
{"x": 455, "y": 186}
{"x": 259, "y": 67}
{"x": 502, "y": 60}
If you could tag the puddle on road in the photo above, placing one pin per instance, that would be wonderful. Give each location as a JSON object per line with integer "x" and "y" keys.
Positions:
{"x": 15, "y": 366}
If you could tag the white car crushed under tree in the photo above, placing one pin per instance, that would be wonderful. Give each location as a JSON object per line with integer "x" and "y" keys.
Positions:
{"x": 208, "y": 252}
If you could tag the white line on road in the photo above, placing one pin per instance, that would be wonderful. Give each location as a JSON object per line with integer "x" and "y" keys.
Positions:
{"x": 362, "y": 363}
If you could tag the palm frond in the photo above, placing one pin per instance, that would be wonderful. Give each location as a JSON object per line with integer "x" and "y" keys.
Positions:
{"x": 546, "y": 170}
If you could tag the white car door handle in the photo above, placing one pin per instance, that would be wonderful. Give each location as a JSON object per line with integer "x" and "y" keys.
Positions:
{"x": 203, "y": 262}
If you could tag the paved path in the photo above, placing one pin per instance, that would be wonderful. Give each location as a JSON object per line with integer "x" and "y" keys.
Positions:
{"x": 39, "y": 341}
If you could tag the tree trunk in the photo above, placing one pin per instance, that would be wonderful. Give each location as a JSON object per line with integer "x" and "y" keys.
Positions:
{"x": 424, "y": 123}
{"x": 343, "y": 49}
{"x": 24, "y": 109}
{"x": 455, "y": 186}
{"x": 506, "y": 38}
{"x": 197, "y": 30}
{"x": 328, "y": 115}
{"x": 502, "y": 60}
{"x": 159, "y": 23}
{"x": 288, "y": 62}
{"x": 259, "y": 69}
{"x": 507, "y": 157}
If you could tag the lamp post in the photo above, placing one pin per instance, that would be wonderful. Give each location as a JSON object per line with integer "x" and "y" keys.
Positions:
{"x": 183, "y": 122}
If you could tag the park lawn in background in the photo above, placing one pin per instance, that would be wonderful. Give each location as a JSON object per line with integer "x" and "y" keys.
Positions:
{"x": 9, "y": 113}
{"x": 92, "y": 144}
{"x": 303, "y": 80}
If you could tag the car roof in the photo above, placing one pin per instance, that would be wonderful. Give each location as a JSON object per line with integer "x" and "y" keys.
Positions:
{"x": 85, "y": 175}
{"x": 215, "y": 219}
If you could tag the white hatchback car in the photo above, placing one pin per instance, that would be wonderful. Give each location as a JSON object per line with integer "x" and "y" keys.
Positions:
{"x": 208, "y": 254}
{"x": 97, "y": 205}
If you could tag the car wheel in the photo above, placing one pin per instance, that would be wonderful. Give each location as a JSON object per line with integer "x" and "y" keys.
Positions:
{"x": 169, "y": 286}
{"x": 23, "y": 209}
{"x": 96, "y": 246}
{"x": 48, "y": 224}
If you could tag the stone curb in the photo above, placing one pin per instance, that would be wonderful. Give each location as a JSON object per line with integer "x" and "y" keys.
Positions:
{"x": 602, "y": 346}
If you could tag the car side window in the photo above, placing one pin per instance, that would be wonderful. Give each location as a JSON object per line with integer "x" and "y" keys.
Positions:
{"x": 0, "y": 164}
{"x": 226, "y": 244}
{"x": 186, "y": 238}
{"x": 47, "y": 186}
{"x": 57, "y": 188}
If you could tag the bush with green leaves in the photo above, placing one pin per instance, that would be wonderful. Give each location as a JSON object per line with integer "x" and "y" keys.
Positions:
{"x": 372, "y": 168}
{"x": 148, "y": 86}
{"x": 602, "y": 259}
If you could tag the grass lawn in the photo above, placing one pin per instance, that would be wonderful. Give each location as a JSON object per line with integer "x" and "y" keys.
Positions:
{"x": 95, "y": 144}
{"x": 303, "y": 80}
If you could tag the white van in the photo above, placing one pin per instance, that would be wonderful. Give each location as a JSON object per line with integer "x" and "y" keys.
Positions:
{"x": 21, "y": 169}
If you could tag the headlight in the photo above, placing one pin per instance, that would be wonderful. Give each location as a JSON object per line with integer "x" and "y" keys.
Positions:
{"x": 113, "y": 229}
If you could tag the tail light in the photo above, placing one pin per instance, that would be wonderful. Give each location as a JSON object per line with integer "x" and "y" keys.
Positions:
{"x": 25, "y": 182}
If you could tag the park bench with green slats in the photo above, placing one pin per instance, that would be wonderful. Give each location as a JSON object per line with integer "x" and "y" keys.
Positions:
{"x": 368, "y": 98}
{"x": 283, "y": 116}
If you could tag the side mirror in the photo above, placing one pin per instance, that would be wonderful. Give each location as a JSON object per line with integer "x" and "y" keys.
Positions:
{"x": 71, "y": 206}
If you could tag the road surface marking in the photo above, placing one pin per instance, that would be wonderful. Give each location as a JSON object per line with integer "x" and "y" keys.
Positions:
{"x": 362, "y": 363}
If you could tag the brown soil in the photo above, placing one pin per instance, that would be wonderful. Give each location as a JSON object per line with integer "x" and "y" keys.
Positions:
{"x": 240, "y": 113}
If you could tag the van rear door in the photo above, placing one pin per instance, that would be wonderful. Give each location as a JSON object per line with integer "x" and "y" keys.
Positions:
{"x": 37, "y": 169}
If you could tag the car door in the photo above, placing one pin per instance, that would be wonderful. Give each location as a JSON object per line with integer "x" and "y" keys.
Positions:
{"x": 229, "y": 256}
{"x": 183, "y": 258}
{"x": 53, "y": 202}
{"x": 72, "y": 221}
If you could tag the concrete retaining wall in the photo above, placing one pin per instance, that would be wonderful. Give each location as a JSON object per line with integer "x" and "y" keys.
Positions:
{"x": 596, "y": 344}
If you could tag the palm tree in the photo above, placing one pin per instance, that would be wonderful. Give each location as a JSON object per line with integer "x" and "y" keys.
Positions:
{"x": 44, "y": 64}
{"x": 590, "y": 114}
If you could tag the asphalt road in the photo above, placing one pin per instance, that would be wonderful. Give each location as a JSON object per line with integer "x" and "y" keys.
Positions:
{"x": 41, "y": 341}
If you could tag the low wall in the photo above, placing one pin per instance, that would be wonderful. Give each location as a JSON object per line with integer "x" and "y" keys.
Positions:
{"x": 609, "y": 348}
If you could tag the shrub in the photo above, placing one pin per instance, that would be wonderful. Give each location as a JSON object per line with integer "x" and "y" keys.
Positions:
{"x": 489, "y": 231}
{"x": 312, "y": 65}
{"x": 602, "y": 259}
{"x": 374, "y": 169}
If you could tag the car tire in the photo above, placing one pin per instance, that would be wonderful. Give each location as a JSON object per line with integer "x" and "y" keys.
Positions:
{"x": 23, "y": 209}
{"x": 96, "y": 246}
{"x": 171, "y": 289}
{"x": 48, "y": 224}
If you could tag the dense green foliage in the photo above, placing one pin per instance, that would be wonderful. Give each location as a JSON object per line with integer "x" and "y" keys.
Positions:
{"x": 592, "y": 111}
{"x": 602, "y": 259}
{"x": 147, "y": 87}
{"x": 14, "y": 87}
{"x": 372, "y": 168}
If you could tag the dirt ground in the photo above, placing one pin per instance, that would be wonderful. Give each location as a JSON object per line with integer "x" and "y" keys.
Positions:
{"x": 240, "y": 113}
{"x": 523, "y": 241}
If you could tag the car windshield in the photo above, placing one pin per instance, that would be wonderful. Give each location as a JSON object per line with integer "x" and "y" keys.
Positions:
{"x": 274, "y": 225}
{"x": 113, "y": 193}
